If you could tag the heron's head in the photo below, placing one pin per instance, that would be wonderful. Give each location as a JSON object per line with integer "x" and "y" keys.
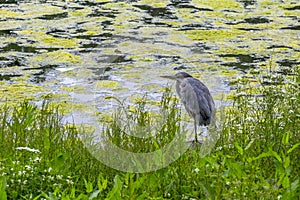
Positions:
{"x": 179, "y": 76}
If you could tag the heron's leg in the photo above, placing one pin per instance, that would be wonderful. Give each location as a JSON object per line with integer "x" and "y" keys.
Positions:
{"x": 204, "y": 131}
{"x": 195, "y": 124}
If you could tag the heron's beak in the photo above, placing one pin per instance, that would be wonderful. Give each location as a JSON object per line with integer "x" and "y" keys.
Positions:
{"x": 169, "y": 77}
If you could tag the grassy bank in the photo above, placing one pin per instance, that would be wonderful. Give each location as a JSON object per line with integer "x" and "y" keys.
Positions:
{"x": 256, "y": 157}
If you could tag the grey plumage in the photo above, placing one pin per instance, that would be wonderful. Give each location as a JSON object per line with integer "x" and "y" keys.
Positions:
{"x": 196, "y": 99}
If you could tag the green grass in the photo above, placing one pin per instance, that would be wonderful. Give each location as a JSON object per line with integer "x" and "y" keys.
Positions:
{"x": 256, "y": 157}
{"x": 139, "y": 121}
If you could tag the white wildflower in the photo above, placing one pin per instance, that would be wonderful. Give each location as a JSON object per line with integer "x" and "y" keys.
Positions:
{"x": 37, "y": 159}
{"x": 69, "y": 181}
{"x": 196, "y": 170}
{"x": 51, "y": 178}
{"x": 20, "y": 173}
{"x": 28, "y": 167}
{"x": 59, "y": 177}
{"x": 15, "y": 162}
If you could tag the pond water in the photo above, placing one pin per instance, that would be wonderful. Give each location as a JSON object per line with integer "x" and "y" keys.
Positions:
{"x": 80, "y": 52}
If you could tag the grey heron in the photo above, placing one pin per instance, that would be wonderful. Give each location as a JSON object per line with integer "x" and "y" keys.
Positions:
{"x": 196, "y": 99}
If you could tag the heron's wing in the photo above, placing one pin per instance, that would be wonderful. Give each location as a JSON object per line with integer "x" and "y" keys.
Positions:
{"x": 203, "y": 92}
{"x": 197, "y": 100}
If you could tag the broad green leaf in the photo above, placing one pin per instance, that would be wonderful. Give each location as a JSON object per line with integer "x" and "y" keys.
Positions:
{"x": 286, "y": 182}
{"x": 294, "y": 185}
{"x": 239, "y": 148}
{"x": 88, "y": 186}
{"x": 293, "y": 148}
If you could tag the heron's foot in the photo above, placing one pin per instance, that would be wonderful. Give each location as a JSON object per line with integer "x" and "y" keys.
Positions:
{"x": 198, "y": 141}
{"x": 194, "y": 143}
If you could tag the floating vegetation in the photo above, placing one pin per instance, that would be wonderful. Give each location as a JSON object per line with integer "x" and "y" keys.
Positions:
{"x": 56, "y": 57}
{"x": 214, "y": 35}
{"x": 162, "y": 35}
{"x": 219, "y": 4}
{"x": 107, "y": 84}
